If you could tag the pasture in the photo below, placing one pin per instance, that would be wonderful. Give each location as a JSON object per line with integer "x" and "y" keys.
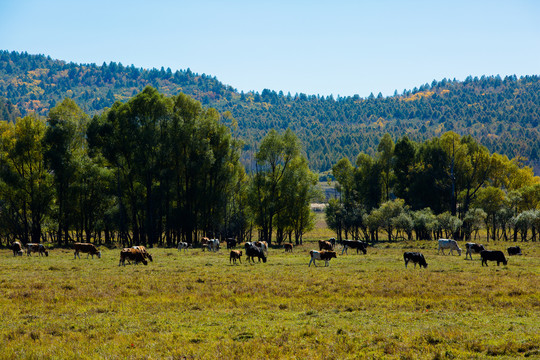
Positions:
{"x": 198, "y": 306}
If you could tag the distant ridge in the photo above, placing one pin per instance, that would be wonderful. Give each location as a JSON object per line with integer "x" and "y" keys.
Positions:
{"x": 502, "y": 114}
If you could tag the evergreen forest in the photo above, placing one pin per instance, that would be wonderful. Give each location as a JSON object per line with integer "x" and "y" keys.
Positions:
{"x": 502, "y": 114}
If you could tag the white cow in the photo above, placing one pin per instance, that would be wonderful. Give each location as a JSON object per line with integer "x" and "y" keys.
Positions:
{"x": 448, "y": 244}
{"x": 213, "y": 245}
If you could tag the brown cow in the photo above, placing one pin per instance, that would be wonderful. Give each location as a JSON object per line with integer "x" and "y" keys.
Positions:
{"x": 288, "y": 247}
{"x": 325, "y": 245}
{"x": 204, "y": 243}
{"x": 88, "y": 248}
{"x": 235, "y": 255}
{"x": 132, "y": 254}
{"x": 143, "y": 250}
{"x": 17, "y": 248}
{"x": 39, "y": 248}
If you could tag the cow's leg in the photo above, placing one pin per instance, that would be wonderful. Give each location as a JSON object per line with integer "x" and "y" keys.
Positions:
{"x": 406, "y": 262}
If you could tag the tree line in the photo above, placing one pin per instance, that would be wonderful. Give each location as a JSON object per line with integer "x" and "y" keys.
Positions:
{"x": 499, "y": 112}
{"x": 447, "y": 186}
{"x": 154, "y": 170}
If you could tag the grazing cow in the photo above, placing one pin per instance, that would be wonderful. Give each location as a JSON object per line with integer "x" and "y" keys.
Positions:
{"x": 213, "y": 245}
{"x": 88, "y": 248}
{"x": 449, "y": 244}
{"x": 263, "y": 245}
{"x": 493, "y": 255}
{"x": 473, "y": 248}
{"x": 288, "y": 247}
{"x": 235, "y": 255}
{"x": 204, "y": 243}
{"x": 416, "y": 258}
{"x": 321, "y": 255}
{"x": 332, "y": 241}
{"x": 253, "y": 251}
{"x": 17, "y": 248}
{"x": 143, "y": 250}
{"x": 514, "y": 250}
{"x": 354, "y": 244}
{"x": 231, "y": 243}
{"x": 325, "y": 245}
{"x": 132, "y": 254}
{"x": 184, "y": 245}
{"x": 39, "y": 248}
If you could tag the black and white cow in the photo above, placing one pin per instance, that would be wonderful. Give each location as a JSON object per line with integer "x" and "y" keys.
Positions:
{"x": 473, "y": 248}
{"x": 213, "y": 245}
{"x": 17, "y": 248}
{"x": 493, "y": 255}
{"x": 184, "y": 246}
{"x": 253, "y": 251}
{"x": 321, "y": 255}
{"x": 416, "y": 258}
{"x": 449, "y": 244}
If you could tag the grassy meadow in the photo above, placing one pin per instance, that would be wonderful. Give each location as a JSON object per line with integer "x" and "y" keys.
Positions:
{"x": 196, "y": 305}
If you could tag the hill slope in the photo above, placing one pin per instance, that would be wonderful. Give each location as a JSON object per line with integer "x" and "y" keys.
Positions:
{"x": 503, "y": 114}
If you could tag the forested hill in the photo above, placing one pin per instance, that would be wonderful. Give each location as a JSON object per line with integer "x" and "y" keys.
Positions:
{"x": 502, "y": 114}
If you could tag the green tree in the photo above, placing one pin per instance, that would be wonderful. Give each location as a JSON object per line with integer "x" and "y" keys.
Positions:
{"x": 26, "y": 185}
{"x": 385, "y": 153}
{"x": 491, "y": 200}
{"x": 274, "y": 161}
{"x": 65, "y": 146}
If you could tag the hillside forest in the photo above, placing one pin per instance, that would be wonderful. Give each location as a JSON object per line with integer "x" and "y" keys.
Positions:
{"x": 158, "y": 169}
{"x": 502, "y": 114}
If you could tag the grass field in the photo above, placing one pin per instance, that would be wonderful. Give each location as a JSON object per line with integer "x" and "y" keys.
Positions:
{"x": 197, "y": 306}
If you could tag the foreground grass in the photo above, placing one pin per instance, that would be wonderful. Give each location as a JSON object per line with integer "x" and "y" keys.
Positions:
{"x": 196, "y": 305}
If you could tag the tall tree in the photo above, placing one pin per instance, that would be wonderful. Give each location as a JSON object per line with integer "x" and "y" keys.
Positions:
{"x": 273, "y": 162}
{"x": 385, "y": 153}
{"x": 65, "y": 146}
{"x": 26, "y": 185}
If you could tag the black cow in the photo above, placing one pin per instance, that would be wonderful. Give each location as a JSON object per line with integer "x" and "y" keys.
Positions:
{"x": 253, "y": 251}
{"x": 416, "y": 258}
{"x": 514, "y": 250}
{"x": 493, "y": 255}
{"x": 332, "y": 241}
{"x": 354, "y": 244}
{"x": 473, "y": 248}
{"x": 231, "y": 243}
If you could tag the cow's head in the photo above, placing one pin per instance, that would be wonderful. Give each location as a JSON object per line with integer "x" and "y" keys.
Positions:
{"x": 144, "y": 262}
{"x": 46, "y": 253}
{"x": 98, "y": 254}
{"x": 264, "y": 258}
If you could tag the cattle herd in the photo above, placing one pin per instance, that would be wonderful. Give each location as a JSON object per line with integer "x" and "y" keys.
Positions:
{"x": 259, "y": 250}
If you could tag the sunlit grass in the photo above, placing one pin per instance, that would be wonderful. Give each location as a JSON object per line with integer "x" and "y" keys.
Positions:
{"x": 197, "y": 305}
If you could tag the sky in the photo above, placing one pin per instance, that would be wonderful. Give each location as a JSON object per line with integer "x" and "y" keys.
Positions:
{"x": 337, "y": 47}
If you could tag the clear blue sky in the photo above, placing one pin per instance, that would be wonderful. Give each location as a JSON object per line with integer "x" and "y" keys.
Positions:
{"x": 316, "y": 47}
